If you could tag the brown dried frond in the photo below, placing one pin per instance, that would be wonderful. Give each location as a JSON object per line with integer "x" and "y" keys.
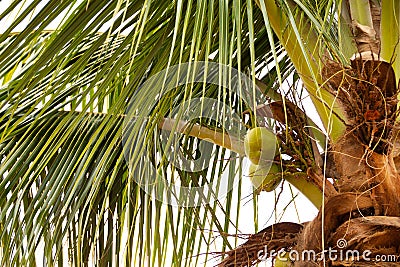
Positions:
{"x": 274, "y": 237}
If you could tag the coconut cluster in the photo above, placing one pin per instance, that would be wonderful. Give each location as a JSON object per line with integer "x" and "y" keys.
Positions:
{"x": 260, "y": 146}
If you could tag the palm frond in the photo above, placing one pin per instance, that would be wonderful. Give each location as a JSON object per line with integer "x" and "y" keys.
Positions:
{"x": 65, "y": 99}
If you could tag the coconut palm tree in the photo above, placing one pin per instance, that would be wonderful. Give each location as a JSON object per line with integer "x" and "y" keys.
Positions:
{"x": 124, "y": 129}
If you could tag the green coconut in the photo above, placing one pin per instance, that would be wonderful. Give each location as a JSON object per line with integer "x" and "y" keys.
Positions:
{"x": 265, "y": 179}
{"x": 260, "y": 145}
{"x": 283, "y": 260}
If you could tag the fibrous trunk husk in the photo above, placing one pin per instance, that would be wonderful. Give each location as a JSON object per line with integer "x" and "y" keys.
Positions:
{"x": 366, "y": 208}
{"x": 366, "y": 211}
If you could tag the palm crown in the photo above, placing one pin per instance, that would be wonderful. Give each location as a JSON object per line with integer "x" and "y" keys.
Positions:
{"x": 123, "y": 128}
